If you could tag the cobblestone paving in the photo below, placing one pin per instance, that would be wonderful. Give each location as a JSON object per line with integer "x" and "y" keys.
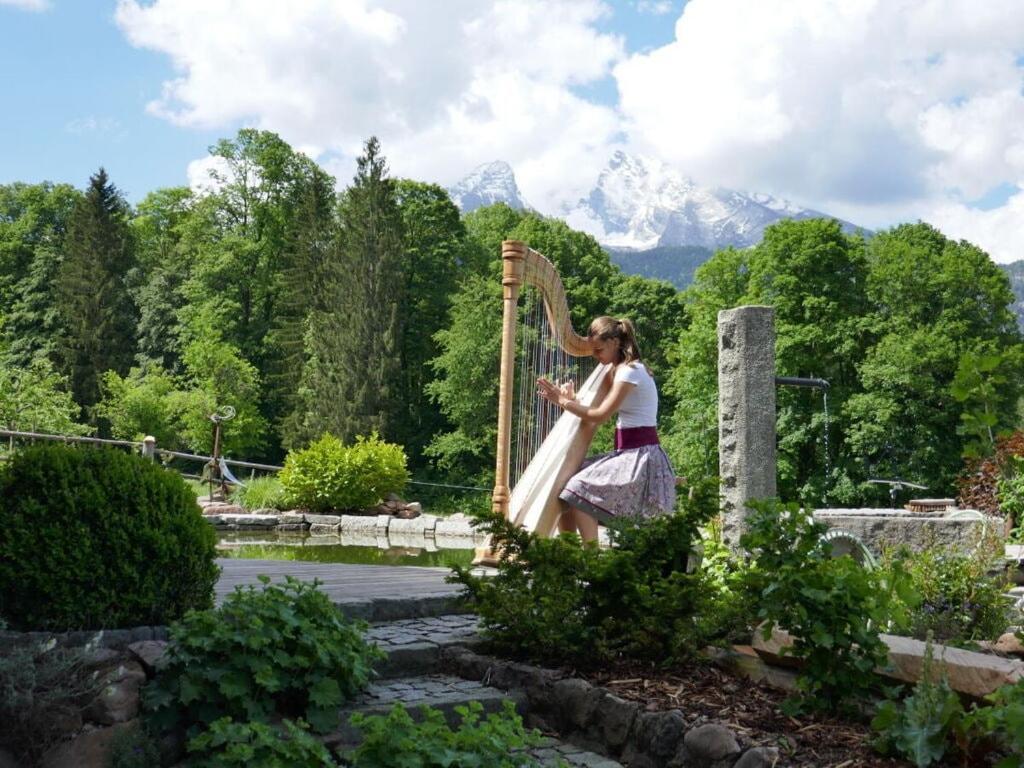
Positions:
{"x": 439, "y": 630}
{"x": 445, "y": 691}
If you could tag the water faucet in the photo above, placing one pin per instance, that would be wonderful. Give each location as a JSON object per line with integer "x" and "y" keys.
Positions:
{"x": 895, "y": 486}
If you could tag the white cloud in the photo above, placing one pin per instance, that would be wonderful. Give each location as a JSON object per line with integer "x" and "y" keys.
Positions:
{"x": 443, "y": 91}
{"x": 91, "y": 124}
{"x": 999, "y": 232}
{"x": 654, "y": 7}
{"x": 879, "y": 106}
{"x": 28, "y": 5}
{"x": 886, "y": 109}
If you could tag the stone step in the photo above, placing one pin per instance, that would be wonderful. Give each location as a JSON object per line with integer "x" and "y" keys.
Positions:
{"x": 413, "y": 646}
{"x": 445, "y": 693}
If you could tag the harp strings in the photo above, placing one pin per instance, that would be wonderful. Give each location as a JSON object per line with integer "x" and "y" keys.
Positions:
{"x": 539, "y": 355}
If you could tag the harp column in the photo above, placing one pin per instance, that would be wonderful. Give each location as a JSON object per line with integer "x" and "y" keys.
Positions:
{"x": 513, "y": 259}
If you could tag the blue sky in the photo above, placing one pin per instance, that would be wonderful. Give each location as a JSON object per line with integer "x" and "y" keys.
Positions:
{"x": 875, "y": 111}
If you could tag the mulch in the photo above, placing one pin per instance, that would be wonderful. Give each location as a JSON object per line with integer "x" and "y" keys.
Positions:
{"x": 751, "y": 709}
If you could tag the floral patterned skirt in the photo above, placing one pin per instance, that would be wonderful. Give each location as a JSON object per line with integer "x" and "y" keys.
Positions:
{"x": 631, "y": 481}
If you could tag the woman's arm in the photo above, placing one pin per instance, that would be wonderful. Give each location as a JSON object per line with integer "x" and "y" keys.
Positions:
{"x": 565, "y": 399}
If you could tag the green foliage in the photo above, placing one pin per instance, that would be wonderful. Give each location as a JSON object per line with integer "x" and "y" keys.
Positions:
{"x": 98, "y": 316}
{"x": 40, "y": 686}
{"x": 35, "y": 399}
{"x": 957, "y": 599}
{"x": 1002, "y": 719}
{"x": 227, "y": 743}
{"x": 134, "y": 748}
{"x": 98, "y": 538}
{"x": 351, "y": 380}
{"x": 329, "y": 475}
{"x": 919, "y": 726}
{"x": 557, "y": 600}
{"x": 145, "y": 402}
{"x": 396, "y": 741}
{"x": 261, "y": 493}
{"x": 283, "y": 650}
{"x": 832, "y": 607}
{"x": 976, "y": 385}
{"x": 33, "y": 225}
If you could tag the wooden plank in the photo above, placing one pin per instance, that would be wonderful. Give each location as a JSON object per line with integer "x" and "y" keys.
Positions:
{"x": 341, "y": 582}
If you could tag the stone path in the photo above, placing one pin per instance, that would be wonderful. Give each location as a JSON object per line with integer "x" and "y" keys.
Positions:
{"x": 410, "y": 675}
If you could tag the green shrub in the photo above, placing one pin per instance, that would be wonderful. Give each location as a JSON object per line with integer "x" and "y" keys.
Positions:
{"x": 281, "y": 650}
{"x": 40, "y": 686}
{"x": 134, "y": 748}
{"x": 832, "y": 607}
{"x": 331, "y": 476}
{"x": 958, "y": 601}
{"x": 99, "y": 538}
{"x": 227, "y": 744}
{"x": 559, "y": 601}
{"x": 395, "y": 741}
{"x": 261, "y": 493}
{"x": 1001, "y": 721}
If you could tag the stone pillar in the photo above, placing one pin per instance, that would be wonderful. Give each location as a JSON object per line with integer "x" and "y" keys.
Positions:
{"x": 746, "y": 412}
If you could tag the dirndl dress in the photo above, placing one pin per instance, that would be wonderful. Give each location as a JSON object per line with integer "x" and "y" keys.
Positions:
{"x": 636, "y": 479}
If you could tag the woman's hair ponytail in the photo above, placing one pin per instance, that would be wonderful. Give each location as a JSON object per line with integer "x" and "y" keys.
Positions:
{"x": 605, "y": 328}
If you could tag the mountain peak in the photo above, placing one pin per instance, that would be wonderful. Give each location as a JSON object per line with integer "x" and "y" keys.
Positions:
{"x": 493, "y": 182}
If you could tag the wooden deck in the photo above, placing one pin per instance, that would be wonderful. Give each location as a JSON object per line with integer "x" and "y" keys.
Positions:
{"x": 341, "y": 582}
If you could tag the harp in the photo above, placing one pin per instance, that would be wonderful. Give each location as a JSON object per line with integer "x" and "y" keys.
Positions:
{"x": 550, "y": 446}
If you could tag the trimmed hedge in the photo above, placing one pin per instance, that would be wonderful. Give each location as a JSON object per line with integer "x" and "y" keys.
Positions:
{"x": 94, "y": 539}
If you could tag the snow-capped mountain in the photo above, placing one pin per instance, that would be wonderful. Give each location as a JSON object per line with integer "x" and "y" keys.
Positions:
{"x": 639, "y": 204}
{"x": 489, "y": 183}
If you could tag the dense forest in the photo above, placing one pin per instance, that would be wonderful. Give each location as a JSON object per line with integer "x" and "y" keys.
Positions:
{"x": 377, "y": 309}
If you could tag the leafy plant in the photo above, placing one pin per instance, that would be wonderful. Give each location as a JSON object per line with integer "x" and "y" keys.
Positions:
{"x": 134, "y": 748}
{"x": 562, "y": 601}
{"x": 1002, "y": 720}
{"x": 832, "y": 607}
{"x": 99, "y": 538}
{"x": 957, "y": 599}
{"x": 282, "y": 650}
{"x": 41, "y": 688}
{"x": 227, "y": 743}
{"x": 329, "y": 475}
{"x": 261, "y": 493}
{"x": 919, "y": 726}
{"x": 396, "y": 741}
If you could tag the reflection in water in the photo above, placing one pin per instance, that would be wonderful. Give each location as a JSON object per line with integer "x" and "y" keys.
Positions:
{"x": 329, "y": 549}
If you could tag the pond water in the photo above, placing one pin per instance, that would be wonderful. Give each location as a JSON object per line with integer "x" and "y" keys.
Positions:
{"x": 324, "y": 549}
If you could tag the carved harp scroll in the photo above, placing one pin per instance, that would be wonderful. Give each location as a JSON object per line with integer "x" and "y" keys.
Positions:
{"x": 524, "y": 266}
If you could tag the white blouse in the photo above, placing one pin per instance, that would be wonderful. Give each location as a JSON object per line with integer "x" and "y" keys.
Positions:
{"x": 640, "y": 406}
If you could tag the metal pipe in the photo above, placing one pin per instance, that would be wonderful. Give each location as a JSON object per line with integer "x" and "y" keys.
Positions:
{"x": 796, "y": 381}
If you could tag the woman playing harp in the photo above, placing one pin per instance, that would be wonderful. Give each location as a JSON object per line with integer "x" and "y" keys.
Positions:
{"x": 534, "y": 502}
{"x": 636, "y": 478}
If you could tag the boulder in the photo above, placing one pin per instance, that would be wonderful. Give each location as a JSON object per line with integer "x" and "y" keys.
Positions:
{"x": 758, "y": 757}
{"x": 148, "y": 653}
{"x": 90, "y": 749}
{"x": 118, "y": 699}
{"x": 712, "y": 743}
{"x": 1010, "y": 644}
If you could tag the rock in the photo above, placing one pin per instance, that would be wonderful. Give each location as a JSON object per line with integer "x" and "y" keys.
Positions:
{"x": 99, "y": 658}
{"x": 660, "y": 732}
{"x": 90, "y": 749}
{"x": 265, "y": 511}
{"x": 414, "y": 506}
{"x": 221, "y": 508}
{"x": 1009, "y": 643}
{"x": 758, "y": 757}
{"x": 615, "y": 718}
{"x": 407, "y": 513}
{"x": 7, "y": 760}
{"x": 149, "y": 653}
{"x": 575, "y": 701}
{"x": 118, "y": 700}
{"x": 324, "y": 519}
{"x": 711, "y": 742}
{"x": 291, "y": 518}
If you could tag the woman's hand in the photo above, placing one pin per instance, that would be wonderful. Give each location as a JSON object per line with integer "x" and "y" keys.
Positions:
{"x": 555, "y": 393}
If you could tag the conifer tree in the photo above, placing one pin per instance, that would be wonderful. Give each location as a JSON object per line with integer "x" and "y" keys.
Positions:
{"x": 354, "y": 345}
{"x": 98, "y": 317}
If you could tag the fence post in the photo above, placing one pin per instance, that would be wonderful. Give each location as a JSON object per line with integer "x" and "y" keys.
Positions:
{"x": 149, "y": 447}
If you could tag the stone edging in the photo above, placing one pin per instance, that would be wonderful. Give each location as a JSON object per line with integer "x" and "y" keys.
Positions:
{"x": 376, "y": 610}
{"x": 453, "y": 527}
{"x": 593, "y": 718}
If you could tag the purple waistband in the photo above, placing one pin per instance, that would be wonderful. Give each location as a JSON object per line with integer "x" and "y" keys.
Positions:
{"x": 634, "y": 437}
